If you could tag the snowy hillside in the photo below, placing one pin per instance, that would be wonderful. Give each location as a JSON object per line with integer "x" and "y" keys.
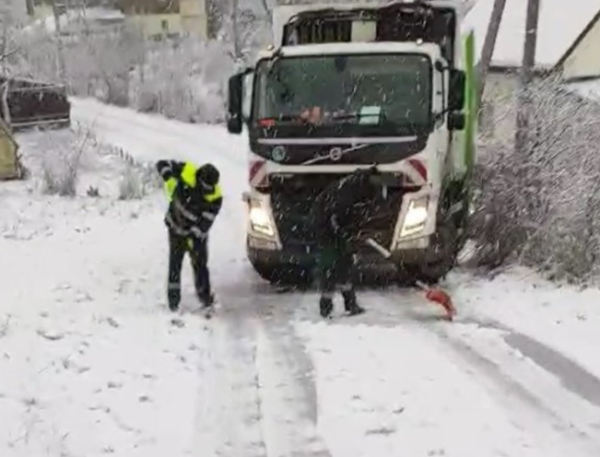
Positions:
{"x": 92, "y": 363}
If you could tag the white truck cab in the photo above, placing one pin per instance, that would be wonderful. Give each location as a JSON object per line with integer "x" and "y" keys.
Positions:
{"x": 348, "y": 87}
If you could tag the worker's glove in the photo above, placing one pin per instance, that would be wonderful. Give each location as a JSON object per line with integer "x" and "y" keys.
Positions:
{"x": 333, "y": 223}
{"x": 198, "y": 234}
{"x": 175, "y": 226}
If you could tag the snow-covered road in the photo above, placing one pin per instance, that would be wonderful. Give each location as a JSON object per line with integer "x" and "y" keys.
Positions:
{"x": 91, "y": 363}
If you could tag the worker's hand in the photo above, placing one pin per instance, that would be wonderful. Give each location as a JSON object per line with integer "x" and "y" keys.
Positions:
{"x": 198, "y": 234}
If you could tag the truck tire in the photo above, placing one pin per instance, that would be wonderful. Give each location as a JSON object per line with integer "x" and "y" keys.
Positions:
{"x": 436, "y": 266}
{"x": 456, "y": 194}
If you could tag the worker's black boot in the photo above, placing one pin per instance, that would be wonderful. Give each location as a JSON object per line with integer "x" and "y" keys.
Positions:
{"x": 206, "y": 297}
{"x": 350, "y": 304}
{"x": 174, "y": 297}
{"x": 208, "y": 300}
{"x": 325, "y": 306}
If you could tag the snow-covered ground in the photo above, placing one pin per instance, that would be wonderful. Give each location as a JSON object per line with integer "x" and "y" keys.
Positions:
{"x": 92, "y": 364}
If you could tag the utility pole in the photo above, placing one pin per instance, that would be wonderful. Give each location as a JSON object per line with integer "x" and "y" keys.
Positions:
{"x": 5, "y": 23}
{"x": 526, "y": 74}
{"x": 57, "y": 7}
{"x": 489, "y": 45}
{"x": 236, "y": 32}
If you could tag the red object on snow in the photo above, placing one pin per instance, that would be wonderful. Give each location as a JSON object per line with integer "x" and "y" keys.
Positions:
{"x": 442, "y": 298}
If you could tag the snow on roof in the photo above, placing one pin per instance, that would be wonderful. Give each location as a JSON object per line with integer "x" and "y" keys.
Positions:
{"x": 560, "y": 24}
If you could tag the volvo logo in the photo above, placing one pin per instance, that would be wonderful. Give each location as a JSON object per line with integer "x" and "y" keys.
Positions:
{"x": 335, "y": 154}
{"x": 278, "y": 153}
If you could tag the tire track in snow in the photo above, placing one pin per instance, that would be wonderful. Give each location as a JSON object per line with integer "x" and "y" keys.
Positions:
{"x": 229, "y": 411}
{"x": 533, "y": 396}
{"x": 287, "y": 383}
{"x": 257, "y": 395}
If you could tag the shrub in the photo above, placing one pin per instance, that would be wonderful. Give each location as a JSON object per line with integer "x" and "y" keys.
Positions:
{"x": 540, "y": 206}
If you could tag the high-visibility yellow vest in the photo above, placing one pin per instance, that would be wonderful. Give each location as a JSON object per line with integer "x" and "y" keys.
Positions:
{"x": 188, "y": 176}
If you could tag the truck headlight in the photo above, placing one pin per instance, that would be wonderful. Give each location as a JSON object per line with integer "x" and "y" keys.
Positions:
{"x": 416, "y": 217}
{"x": 260, "y": 221}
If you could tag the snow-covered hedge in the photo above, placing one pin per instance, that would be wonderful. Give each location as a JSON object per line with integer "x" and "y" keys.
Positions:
{"x": 183, "y": 79}
{"x": 74, "y": 162}
{"x": 541, "y": 206}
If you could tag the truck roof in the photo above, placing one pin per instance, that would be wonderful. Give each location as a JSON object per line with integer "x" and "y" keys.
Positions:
{"x": 283, "y": 13}
{"x": 353, "y": 48}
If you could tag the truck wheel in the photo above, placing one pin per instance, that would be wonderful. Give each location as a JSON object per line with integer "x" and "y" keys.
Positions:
{"x": 440, "y": 258}
{"x": 283, "y": 275}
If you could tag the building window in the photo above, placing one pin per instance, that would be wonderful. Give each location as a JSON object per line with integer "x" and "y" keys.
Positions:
{"x": 164, "y": 25}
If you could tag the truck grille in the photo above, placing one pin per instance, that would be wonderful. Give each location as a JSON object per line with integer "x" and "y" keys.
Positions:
{"x": 292, "y": 208}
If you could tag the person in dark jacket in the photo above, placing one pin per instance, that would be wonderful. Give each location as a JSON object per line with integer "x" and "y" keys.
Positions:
{"x": 195, "y": 200}
{"x": 338, "y": 213}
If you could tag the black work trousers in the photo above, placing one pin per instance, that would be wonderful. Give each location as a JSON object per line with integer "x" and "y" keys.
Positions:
{"x": 337, "y": 270}
{"x": 198, "y": 251}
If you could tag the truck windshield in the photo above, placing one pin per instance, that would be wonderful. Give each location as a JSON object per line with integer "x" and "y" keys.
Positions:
{"x": 363, "y": 89}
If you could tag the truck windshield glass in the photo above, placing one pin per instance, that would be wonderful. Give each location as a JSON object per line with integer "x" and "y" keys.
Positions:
{"x": 362, "y": 89}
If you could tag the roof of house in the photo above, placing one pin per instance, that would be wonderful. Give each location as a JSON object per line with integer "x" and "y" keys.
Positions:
{"x": 561, "y": 26}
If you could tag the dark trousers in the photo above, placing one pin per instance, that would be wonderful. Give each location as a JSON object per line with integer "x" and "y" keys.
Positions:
{"x": 198, "y": 250}
{"x": 337, "y": 270}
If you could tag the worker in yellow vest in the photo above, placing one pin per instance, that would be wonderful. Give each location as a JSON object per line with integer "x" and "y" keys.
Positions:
{"x": 195, "y": 200}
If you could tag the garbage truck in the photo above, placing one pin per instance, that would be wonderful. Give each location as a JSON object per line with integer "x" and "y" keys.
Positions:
{"x": 346, "y": 86}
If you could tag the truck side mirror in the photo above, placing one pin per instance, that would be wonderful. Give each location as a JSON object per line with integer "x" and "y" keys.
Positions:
{"x": 456, "y": 120}
{"x": 234, "y": 103}
{"x": 456, "y": 94}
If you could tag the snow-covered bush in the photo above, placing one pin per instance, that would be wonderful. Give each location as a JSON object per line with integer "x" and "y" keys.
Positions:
{"x": 61, "y": 166}
{"x": 130, "y": 187}
{"x": 137, "y": 179}
{"x": 75, "y": 162}
{"x": 184, "y": 80}
{"x": 540, "y": 206}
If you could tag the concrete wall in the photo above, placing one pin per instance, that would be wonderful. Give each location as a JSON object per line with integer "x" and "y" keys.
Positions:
{"x": 498, "y": 115}
{"x": 194, "y": 17}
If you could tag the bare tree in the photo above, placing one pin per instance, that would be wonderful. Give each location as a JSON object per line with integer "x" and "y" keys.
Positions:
{"x": 8, "y": 46}
{"x": 244, "y": 24}
{"x": 7, "y": 49}
{"x": 62, "y": 70}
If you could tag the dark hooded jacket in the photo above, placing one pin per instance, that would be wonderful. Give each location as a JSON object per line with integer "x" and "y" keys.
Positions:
{"x": 338, "y": 212}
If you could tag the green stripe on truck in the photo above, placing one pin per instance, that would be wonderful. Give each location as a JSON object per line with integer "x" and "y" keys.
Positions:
{"x": 471, "y": 104}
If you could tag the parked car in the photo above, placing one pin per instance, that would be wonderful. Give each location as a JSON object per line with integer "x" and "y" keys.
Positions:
{"x": 34, "y": 104}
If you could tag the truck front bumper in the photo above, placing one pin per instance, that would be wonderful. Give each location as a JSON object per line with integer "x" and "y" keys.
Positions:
{"x": 303, "y": 257}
